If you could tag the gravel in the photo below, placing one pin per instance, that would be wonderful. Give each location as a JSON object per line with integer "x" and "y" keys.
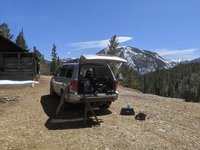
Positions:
{"x": 28, "y": 122}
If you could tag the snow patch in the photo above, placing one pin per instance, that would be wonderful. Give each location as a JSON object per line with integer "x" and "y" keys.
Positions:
{"x": 11, "y": 82}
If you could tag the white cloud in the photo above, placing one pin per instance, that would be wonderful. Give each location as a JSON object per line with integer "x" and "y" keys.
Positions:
{"x": 165, "y": 52}
{"x": 96, "y": 44}
{"x": 122, "y": 39}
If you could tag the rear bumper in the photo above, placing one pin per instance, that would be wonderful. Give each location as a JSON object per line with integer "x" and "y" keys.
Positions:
{"x": 75, "y": 98}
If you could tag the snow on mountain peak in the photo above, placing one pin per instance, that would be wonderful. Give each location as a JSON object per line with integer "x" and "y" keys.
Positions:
{"x": 141, "y": 61}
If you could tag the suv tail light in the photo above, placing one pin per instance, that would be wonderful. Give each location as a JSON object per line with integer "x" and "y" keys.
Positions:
{"x": 115, "y": 86}
{"x": 73, "y": 86}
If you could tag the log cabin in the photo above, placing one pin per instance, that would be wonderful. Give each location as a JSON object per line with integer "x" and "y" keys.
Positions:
{"x": 17, "y": 63}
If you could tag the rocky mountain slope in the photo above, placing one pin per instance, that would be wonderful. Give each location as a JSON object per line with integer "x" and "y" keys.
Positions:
{"x": 141, "y": 61}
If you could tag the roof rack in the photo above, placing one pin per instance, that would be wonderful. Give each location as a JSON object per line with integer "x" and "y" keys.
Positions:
{"x": 71, "y": 60}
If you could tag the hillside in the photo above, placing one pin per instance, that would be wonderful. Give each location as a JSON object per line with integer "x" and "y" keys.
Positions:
{"x": 29, "y": 123}
{"x": 182, "y": 81}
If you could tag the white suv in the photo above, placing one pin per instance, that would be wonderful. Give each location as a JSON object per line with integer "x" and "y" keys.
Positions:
{"x": 90, "y": 76}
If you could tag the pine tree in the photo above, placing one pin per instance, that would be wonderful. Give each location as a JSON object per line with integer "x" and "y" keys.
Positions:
{"x": 113, "y": 46}
{"x": 20, "y": 41}
{"x": 44, "y": 66}
{"x": 130, "y": 79}
{"x": 112, "y": 51}
{"x": 54, "y": 61}
{"x": 37, "y": 53}
{"x": 59, "y": 62}
{"x": 5, "y": 31}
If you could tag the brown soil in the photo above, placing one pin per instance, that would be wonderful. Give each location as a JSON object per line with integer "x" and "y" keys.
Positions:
{"x": 30, "y": 123}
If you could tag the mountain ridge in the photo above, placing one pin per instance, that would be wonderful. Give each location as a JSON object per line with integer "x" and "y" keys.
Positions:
{"x": 140, "y": 60}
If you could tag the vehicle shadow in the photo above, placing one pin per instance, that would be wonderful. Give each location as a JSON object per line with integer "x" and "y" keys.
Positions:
{"x": 71, "y": 115}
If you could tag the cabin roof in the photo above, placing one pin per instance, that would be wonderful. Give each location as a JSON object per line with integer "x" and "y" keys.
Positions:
{"x": 7, "y": 45}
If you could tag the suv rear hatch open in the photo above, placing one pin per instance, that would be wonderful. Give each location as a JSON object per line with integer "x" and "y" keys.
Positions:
{"x": 100, "y": 59}
{"x": 96, "y": 79}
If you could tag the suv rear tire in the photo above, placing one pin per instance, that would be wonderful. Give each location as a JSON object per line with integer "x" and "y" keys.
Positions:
{"x": 106, "y": 105}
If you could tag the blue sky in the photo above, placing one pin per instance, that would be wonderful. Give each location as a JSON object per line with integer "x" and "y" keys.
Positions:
{"x": 171, "y": 27}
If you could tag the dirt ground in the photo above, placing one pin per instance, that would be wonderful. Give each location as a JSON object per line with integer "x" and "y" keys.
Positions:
{"x": 30, "y": 123}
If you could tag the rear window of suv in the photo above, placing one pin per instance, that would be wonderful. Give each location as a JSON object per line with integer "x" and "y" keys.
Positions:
{"x": 97, "y": 71}
{"x": 63, "y": 71}
{"x": 70, "y": 70}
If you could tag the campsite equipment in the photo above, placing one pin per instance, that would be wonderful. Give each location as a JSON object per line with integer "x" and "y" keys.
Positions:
{"x": 88, "y": 107}
{"x": 140, "y": 116}
{"x": 127, "y": 111}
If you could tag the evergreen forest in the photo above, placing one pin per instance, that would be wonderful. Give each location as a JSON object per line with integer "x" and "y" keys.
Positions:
{"x": 182, "y": 81}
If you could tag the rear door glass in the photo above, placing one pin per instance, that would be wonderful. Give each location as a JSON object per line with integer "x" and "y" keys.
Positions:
{"x": 63, "y": 71}
{"x": 98, "y": 71}
{"x": 70, "y": 71}
{"x": 102, "y": 72}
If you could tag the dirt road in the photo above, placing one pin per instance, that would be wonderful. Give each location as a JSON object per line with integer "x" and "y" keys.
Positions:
{"x": 30, "y": 123}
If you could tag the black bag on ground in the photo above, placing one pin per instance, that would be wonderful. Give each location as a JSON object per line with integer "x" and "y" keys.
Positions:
{"x": 140, "y": 116}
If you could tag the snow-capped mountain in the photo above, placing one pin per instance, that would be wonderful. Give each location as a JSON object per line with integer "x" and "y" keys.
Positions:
{"x": 179, "y": 61}
{"x": 142, "y": 61}
{"x": 184, "y": 61}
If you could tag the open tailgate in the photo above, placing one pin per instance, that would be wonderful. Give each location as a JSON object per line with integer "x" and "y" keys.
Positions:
{"x": 101, "y": 59}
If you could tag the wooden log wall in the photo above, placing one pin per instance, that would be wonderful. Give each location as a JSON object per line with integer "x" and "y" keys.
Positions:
{"x": 17, "y": 66}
